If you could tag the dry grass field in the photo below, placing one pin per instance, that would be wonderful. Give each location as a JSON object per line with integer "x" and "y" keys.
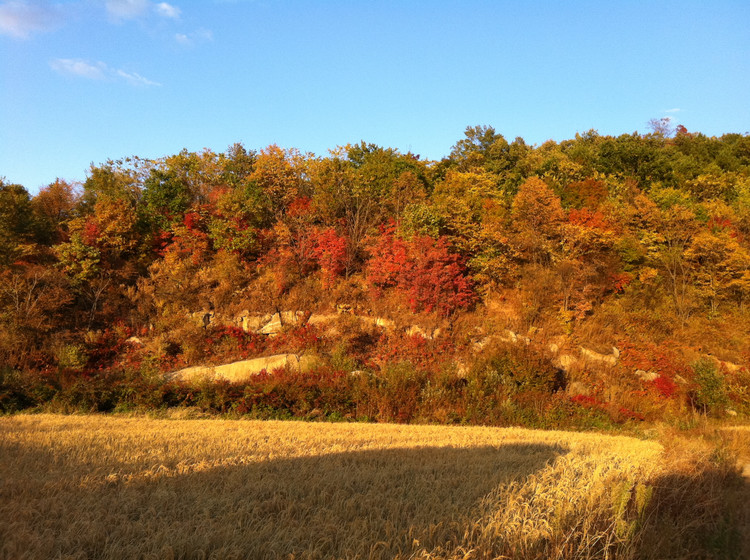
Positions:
{"x": 120, "y": 487}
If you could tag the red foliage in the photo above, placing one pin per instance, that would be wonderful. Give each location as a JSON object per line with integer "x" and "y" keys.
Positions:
{"x": 586, "y": 218}
{"x": 390, "y": 259}
{"x": 424, "y": 354}
{"x": 193, "y": 221}
{"x": 630, "y": 414}
{"x": 664, "y": 386}
{"x": 331, "y": 252}
{"x": 717, "y": 224}
{"x": 160, "y": 242}
{"x": 91, "y": 232}
{"x": 299, "y": 207}
{"x": 587, "y": 401}
{"x": 423, "y": 270}
{"x": 621, "y": 280}
{"x": 192, "y": 243}
{"x": 658, "y": 358}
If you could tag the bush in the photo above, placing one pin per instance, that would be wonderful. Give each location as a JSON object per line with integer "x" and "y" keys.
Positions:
{"x": 711, "y": 391}
{"x": 15, "y": 393}
{"x": 518, "y": 370}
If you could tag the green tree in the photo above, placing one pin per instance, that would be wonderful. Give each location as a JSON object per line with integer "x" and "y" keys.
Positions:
{"x": 17, "y": 223}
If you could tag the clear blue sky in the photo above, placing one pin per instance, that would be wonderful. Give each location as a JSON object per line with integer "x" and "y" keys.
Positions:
{"x": 84, "y": 81}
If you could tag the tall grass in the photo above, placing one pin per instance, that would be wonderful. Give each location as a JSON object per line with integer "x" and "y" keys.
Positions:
{"x": 117, "y": 487}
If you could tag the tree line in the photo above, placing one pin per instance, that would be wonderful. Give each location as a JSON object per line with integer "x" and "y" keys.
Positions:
{"x": 642, "y": 236}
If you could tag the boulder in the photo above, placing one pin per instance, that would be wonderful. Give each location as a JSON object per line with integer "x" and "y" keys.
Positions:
{"x": 590, "y": 355}
{"x": 280, "y": 320}
{"x": 566, "y": 361}
{"x": 509, "y": 336}
{"x": 647, "y": 375}
{"x": 244, "y": 369}
{"x": 320, "y": 319}
{"x": 380, "y": 322}
{"x": 416, "y": 330}
{"x": 253, "y": 322}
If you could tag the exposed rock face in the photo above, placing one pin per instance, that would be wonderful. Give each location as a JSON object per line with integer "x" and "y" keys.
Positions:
{"x": 381, "y": 322}
{"x": 647, "y": 375}
{"x": 243, "y": 370}
{"x": 424, "y": 333}
{"x": 252, "y": 322}
{"x": 318, "y": 319}
{"x": 566, "y": 361}
{"x": 609, "y": 359}
{"x": 509, "y": 336}
{"x": 280, "y": 320}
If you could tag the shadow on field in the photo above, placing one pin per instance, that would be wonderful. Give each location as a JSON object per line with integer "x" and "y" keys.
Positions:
{"x": 698, "y": 515}
{"x": 368, "y": 504}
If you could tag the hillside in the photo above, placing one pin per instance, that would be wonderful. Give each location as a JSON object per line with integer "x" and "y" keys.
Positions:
{"x": 592, "y": 282}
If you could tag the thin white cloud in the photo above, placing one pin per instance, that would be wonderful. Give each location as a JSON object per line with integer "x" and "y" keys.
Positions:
{"x": 675, "y": 110}
{"x": 167, "y": 10}
{"x": 97, "y": 71}
{"x": 80, "y": 68}
{"x": 135, "y": 79}
{"x": 189, "y": 39}
{"x": 21, "y": 19}
{"x": 120, "y": 10}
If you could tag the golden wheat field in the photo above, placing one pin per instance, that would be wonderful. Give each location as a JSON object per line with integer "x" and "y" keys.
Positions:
{"x": 118, "y": 487}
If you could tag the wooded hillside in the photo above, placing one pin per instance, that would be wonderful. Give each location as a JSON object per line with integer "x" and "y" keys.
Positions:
{"x": 599, "y": 277}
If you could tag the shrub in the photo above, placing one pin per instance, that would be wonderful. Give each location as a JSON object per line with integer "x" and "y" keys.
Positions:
{"x": 711, "y": 391}
{"x": 520, "y": 369}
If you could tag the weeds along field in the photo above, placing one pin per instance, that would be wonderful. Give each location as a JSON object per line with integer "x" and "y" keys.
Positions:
{"x": 136, "y": 487}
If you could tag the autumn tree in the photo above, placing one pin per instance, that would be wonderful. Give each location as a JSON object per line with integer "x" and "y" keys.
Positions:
{"x": 423, "y": 270}
{"x": 537, "y": 217}
{"x": 53, "y": 206}
{"x": 17, "y": 224}
{"x": 33, "y": 299}
{"x": 281, "y": 175}
{"x": 721, "y": 267}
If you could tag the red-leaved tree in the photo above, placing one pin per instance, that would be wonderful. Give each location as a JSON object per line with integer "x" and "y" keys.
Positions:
{"x": 331, "y": 253}
{"x": 424, "y": 270}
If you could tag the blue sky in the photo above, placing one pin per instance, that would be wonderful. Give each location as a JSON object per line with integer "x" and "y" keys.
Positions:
{"x": 83, "y": 81}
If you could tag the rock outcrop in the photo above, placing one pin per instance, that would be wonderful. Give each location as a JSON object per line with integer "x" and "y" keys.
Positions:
{"x": 609, "y": 359}
{"x": 244, "y": 369}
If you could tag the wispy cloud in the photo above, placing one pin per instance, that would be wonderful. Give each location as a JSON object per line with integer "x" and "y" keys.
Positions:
{"x": 21, "y": 19}
{"x": 80, "y": 68}
{"x": 97, "y": 71}
{"x": 189, "y": 39}
{"x": 120, "y": 10}
{"x": 135, "y": 79}
{"x": 167, "y": 10}
{"x": 675, "y": 110}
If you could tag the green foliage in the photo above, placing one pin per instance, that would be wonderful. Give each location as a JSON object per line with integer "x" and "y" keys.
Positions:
{"x": 517, "y": 370}
{"x": 17, "y": 223}
{"x": 166, "y": 198}
{"x": 711, "y": 391}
